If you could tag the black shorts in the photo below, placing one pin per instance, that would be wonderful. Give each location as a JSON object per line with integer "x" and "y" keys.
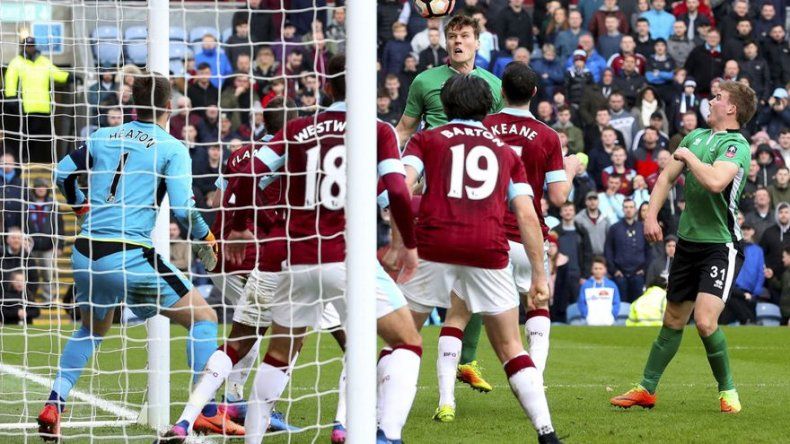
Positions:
{"x": 703, "y": 268}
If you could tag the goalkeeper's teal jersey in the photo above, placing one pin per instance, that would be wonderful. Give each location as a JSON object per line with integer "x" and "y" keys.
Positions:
{"x": 129, "y": 169}
{"x": 710, "y": 217}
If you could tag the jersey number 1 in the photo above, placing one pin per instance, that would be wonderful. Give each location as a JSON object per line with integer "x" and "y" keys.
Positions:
{"x": 471, "y": 167}
{"x": 117, "y": 177}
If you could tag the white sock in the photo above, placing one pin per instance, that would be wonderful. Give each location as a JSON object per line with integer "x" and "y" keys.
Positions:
{"x": 537, "y": 328}
{"x": 447, "y": 363}
{"x": 399, "y": 389}
{"x": 267, "y": 387}
{"x": 527, "y": 384}
{"x": 340, "y": 415}
{"x": 241, "y": 371}
{"x": 217, "y": 369}
{"x": 381, "y": 367}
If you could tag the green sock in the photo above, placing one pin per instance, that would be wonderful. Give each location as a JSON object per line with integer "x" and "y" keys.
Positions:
{"x": 664, "y": 349}
{"x": 719, "y": 359}
{"x": 471, "y": 338}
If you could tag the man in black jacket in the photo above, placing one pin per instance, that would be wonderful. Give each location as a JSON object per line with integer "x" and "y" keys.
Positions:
{"x": 575, "y": 246}
{"x": 777, "y": 53}
{"x": 705, "y": 62}
{"x": 515, "y": 21}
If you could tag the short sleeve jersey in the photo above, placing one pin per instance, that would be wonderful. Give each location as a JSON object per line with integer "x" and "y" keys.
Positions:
{"x": 264, "y": 223}
{"x": 313, "y": 154}
{"x": 424, "y": 102}
{"x": 711, "y": 217}
{"x": 131, "y": 168}
{"x": 540, "y": 151}
{"x": 470, "y": 177}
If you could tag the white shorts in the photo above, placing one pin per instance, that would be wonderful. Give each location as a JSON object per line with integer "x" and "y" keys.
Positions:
{"x": 522, "y": 269}
{"x": 305, "y": 290}
{"x": 484, "y": 290}
{"x": 254, "y": 308}
{"x": 231, "y": 285}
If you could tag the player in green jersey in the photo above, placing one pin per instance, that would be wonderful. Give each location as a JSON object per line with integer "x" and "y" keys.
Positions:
{"x": 708, "y": 255}
{"x": 423, "y": 104}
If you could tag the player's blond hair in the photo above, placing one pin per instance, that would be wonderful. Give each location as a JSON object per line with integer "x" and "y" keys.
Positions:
{"x": 744, "y": 99}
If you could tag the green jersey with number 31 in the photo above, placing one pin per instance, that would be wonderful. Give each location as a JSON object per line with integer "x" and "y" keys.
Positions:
{"x": 712, "y": 217}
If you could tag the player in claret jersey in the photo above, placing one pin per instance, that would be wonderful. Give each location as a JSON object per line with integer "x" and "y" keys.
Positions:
{"x": 311, "y": 151}
{"x": 539, "y": 148}
{"x": 470, "y": 177}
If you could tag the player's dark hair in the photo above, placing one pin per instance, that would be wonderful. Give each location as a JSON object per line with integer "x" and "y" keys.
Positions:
{"x": 461, "y": 21}
{"x": 335, "y": 72}
{"x": 150, "y": 93}
{"x": 466, "y": 97}
{"x": 277, "y": 112}
{"x": 519, "y": 83}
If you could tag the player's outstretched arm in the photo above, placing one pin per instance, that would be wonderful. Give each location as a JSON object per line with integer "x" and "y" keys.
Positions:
{"x": 666, "y": 180}
{"x": 69, "y": 168}
{"x": 532, "y": 238}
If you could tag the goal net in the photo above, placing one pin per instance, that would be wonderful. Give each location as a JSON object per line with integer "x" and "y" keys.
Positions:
{"x": 139, "y": 380}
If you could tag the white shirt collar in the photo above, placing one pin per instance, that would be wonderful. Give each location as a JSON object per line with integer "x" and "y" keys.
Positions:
{"x": 518, "y": 112}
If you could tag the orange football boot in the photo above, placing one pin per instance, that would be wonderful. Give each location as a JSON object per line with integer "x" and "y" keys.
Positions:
{"x": 636, "y": 396}
{"x": 219, "y": 424}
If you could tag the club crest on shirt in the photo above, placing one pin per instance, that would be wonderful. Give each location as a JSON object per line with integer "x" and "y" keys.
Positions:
{"x": 731, "y": 152}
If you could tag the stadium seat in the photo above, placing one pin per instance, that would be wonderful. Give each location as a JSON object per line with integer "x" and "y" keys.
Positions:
{"x": 574, "y": 315}
{"x": 106, "y": 45}
{"x": 622, "y": 316}
{"x": 176, "y": 67}
{"x": 768, "y": 314}
{"x": 137, "y": 52}
{"x": 179, "y": 50}
{"x": 178, "y": 34}
{"x": 196, "y": 34}
{"x": 226, "y": 33}
{"x": 135, "y": 33}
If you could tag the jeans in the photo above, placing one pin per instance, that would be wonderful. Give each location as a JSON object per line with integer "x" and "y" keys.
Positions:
{"x": 631, "y": 286}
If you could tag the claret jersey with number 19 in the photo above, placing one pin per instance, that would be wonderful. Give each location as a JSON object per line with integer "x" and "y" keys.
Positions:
{"x": 470, "y": 177}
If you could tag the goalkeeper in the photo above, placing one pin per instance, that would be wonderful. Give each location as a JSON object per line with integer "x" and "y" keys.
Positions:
{"x": 130, "y": 168}
{"x": 709, "y": 253}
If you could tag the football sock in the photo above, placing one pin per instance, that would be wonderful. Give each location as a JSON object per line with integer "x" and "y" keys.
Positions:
{"x": 399, "y": 389}
{"x": 241, "y": 371}
{"x": 527, "y": 384}
{"x": 537, "y": 329}
{"x": 201, "y": 344}
{"x": 267, "y": 387}
{"x": 74, "y": 358}
{"x": 381, "y": 367}
{"x": 340, "y": 414}
{"x": 450, "y": 340}
{"x": 471, "y": 338}
{"x": 719, "y": 359}
{"x": 663, "y": 350}
{"x": 217, "y": 368}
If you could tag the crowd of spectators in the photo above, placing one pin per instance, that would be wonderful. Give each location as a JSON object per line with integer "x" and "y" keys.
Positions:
{"x": 622, "y": 82}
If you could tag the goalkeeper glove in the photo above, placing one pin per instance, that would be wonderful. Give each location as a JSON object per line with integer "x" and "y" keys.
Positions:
{"x": 207, "y": 250}
{"x": 81, "y": 210}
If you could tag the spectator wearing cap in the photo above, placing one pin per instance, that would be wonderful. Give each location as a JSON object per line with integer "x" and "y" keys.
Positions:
{"x": 658, "y": 122}
{"x": 582, "y": 183}
{"x": 660, "y": 20}
{"x": 661, "y": 263}
{"x": 679, "y": 45}
{"x": 776, "y": 115}
{"x": 693, "y": 13}
{"x": 44, "y": 227}
{"x": 594, "y": 62}
{"x": 577, "y": 78}
{"x": 568, "y": 40}
{"x": 705, "y": 62}
{"x": 28, "y": 83}
{"x": 779, "y": 190}
{"x": 596, "y": 224}
{"x": 686, "y": 102}
{"x": 515, "y": 21}
{"x": 627, "y": 48}
{"x": 608, "y": 43}
{"x": 777, "y": 53}
{"x": 756, "y": 69}
{"x": 215, "y": 58}
{"x": 609, "y": 8}
{"x": 645, "y": 44}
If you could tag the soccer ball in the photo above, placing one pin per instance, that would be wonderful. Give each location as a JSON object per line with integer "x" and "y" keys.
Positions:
{"x": 434, "y": 8}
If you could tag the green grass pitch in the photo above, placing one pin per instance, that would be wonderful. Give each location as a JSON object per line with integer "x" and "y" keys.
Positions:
{"x": 586, "y": 366}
